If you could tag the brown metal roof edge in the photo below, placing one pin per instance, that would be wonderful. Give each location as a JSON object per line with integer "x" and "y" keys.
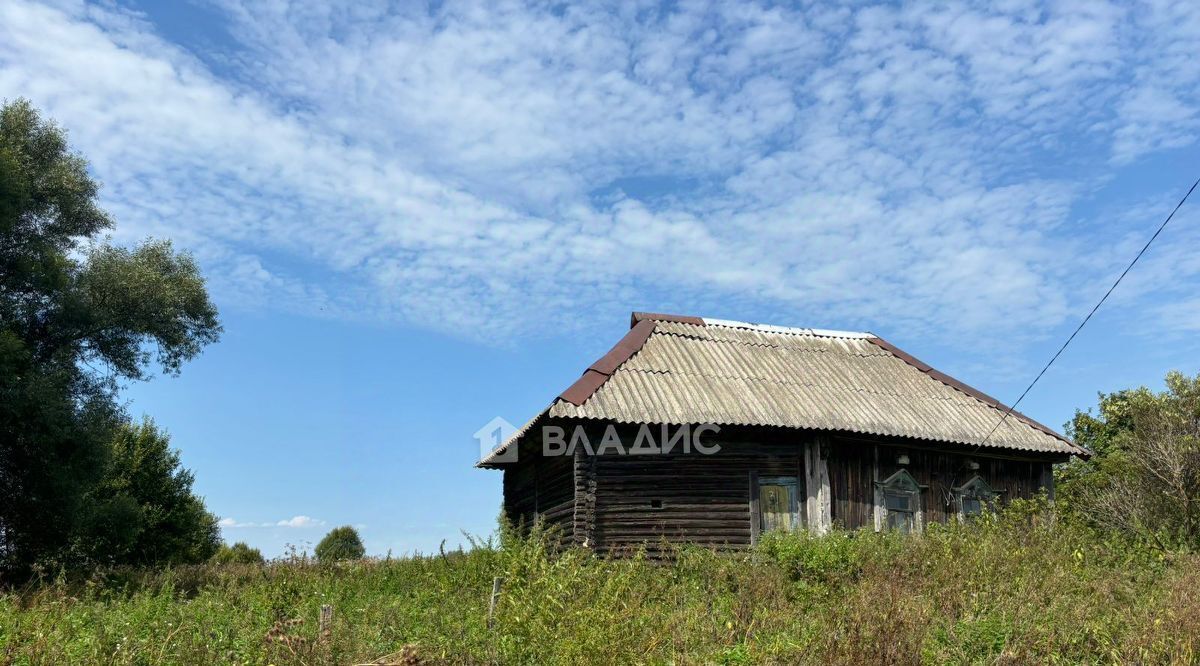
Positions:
{"x": 971, "y": 391}
{"x": 654, "y": 316}
{"x": 599, "y": 372}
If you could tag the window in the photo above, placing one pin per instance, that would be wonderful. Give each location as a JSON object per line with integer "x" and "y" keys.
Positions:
{"x": 778, "y": 503}
{"x": 974, "y": 497}
{"x": 901, "y": 502}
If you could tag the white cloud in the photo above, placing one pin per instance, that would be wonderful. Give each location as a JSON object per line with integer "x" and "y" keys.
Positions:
{"x": 298, "y": 522}
{"x": 910, "y": 166}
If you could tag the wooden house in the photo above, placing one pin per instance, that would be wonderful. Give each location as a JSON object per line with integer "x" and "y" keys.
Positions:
{"x": 713, "y": 432}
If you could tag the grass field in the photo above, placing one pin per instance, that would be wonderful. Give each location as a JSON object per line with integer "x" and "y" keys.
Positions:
{"x": 1004, "y": 590}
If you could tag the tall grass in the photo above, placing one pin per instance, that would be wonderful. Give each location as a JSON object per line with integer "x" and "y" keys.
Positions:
{"x": 1002, "y": 590}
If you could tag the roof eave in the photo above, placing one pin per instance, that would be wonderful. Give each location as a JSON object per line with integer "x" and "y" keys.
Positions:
{"x": 975, "y": 393}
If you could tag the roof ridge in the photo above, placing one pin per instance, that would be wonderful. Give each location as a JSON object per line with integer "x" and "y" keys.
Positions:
{"x": 789, "y": 330}
{"x": 731, "y": 323}
{"x": 773, "y": 345}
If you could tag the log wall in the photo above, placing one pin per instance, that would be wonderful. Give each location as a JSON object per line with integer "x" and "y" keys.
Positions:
{"x": 541, "y": 488}
{"x": 613, "y": 503}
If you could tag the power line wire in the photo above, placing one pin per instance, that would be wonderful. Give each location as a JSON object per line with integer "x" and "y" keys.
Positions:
{"x": 1089, "y": 315}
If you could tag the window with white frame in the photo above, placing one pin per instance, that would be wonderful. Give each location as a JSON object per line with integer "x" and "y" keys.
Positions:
{"x": 900, "y": 502}
{"x": 974, "y": 497}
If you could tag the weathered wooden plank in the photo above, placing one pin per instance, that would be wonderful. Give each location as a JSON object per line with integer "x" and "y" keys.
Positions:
{"x": 1047, "y": 480}
{"x": 876, "y": 490}
{"x": 819, "y": 498}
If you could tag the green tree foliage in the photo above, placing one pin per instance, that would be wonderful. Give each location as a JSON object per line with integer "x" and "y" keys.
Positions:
{"x": 238, "y": 553}
{"x": 342, "y": 543}
{"x": 143, "y": 510}
{"x": 76, "y": 318}
{"x": 1144, "y": 477}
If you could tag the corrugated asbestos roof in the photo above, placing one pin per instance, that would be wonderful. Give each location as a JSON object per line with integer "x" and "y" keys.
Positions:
{"x": 677, "y": 370}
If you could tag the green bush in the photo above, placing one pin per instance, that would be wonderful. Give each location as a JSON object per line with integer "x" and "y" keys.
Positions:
{"x": 238, "y": 553}
{"x": 144, "y": 511}
{"x": 1143, "y": 481}
{"x": 342, "y": 543}
{"x": 806, "y": 558}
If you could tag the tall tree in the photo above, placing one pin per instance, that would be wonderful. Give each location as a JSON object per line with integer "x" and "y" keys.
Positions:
{"x": 76, "y": 318}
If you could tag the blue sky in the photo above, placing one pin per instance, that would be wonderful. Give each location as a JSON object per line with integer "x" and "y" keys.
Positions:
{"x": 417, "y": 217}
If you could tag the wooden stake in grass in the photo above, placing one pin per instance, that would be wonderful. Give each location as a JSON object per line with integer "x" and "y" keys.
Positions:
{"x": 325, "y": 624}
{"x": 491, "y": 618}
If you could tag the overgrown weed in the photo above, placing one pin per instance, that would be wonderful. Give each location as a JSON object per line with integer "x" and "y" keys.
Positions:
{"x": 1018, "y": 587}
